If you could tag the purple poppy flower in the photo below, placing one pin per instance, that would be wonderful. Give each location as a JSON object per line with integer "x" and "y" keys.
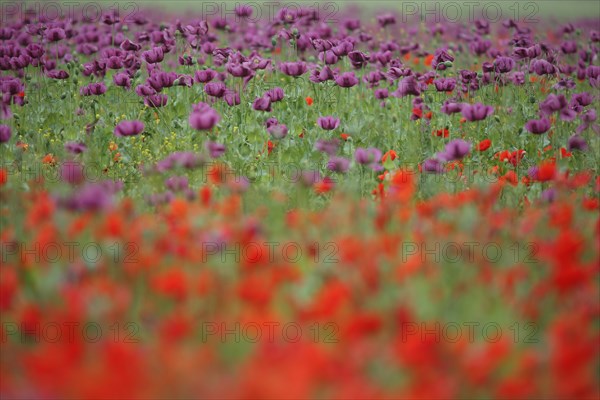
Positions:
{"x": 122, "y": 79}
{"x": 565, "y": 84}
{"x": 75, "y": 147}
{"x": 278, "y": 131}
{"x": 503, "y": 65}
{"x": 451, "y": 108}
{"x": 204, "y": 76}
{"x": 518, "y": 78}
{"x": 114, "y": 62}
{"x": 538, "y": 126}
{"x": 129, "y": 128}
{"x": 479, "y": 46}
{"x": 476, "y": 112}
{"x": 358, "y": 59}
{"x": 338, "y": 164}
{"x": 328, "y": 57}
{"x": 433, "y": 165}
{"x": 185, "y": 159}
{"x": 576, "y": 142}
{"x": 144, "y": 90}
{"x": 343, "y": 48}
{"x": 548, "y": 195}
{"x": 293, "y": 68}
{"x": 271, "y": 121}
{"x": 239, "y": 70}
{"x": 243, "y": 10}
{"x": 276, "y": 94}
{"x": 93, "y": 89}
{"x": 177, "y": 183}
{"x": 445, "y": 84}
{"x": 72, "y": 172}
{"x": 5, "y": 133}
{"x": 321, "y": 45}
{"x": 381, "y": 94}
{"x": 92, "y": 196}
{"x": 588, "y": 119}
{"x": 156, "y": 100}
{"x": 329, "y": 147}
{"x": 328, "y": 123}
{"x": 184, "y": 80}
{"x": 347, "y": 80}
{"x": 581, "y": 100}
{"x": 215, "y": 89}
{"x": 55, "y": 34}
{"x": 128, "y": 45}
{"x": 153, "y": 56}
{"x": 408, "y": 86}
{"x": 262, "y": 104}
{"x": 542, "y": 67}
{"x": 352, "y": 24}
{"x": 553, "y": 103}
{"x": 308, "y": 177}
{"x": 569, "y": 47}
{"x": 203, "y": 117}
{"x": 441, "y": 58}
{"x": 386, "y": 19}
{"x": 232, "y": 98}
{"x": 455, "y": 150}
{"x": 215, "y": 149}
{"x": 370, "y": 157}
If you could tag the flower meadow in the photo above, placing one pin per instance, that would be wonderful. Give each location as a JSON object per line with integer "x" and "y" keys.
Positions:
{"x": 361, "y": 204}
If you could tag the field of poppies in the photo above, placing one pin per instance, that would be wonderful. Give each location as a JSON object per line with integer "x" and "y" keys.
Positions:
{"x": 314, "y": 200}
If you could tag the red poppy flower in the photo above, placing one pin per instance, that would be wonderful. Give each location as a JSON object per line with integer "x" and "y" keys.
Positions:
{"x": 391, "y": 154}
{"x": 441, "y": 133}
{"x": 484, "y": 144}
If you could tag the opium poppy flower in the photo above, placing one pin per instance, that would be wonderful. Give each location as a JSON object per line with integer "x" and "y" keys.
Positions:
{"x": 328, "y": 123}
{"x": 278, "y": 131}
{"x": 433, "y": 165}
{"x": 346, "y": 80}
{"x": 5, "y": 133}
{"x": 538, "y": 126}
{"x": 293, "y": 68}
{"x": 369, "y": 157}
{"x": 576, "y": 142}
{"x": 203, "y": 117}
{"x": 72, "y": 172}
{"x": 476, "y": 112}
{"x": 262, "y": 104}
{"x": 129, "y": 128}
{"x": 455, "y": 150}
{"x": 338, "y": 164}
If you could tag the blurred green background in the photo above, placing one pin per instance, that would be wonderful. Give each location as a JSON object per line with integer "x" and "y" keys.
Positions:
{"x": 562, "y": 9}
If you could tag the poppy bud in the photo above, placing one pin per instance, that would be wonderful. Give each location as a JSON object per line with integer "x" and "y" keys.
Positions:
{"x": 448, "y": 64}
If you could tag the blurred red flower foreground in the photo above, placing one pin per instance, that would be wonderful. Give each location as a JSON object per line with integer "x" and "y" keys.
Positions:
{"x": 357, "y": 300}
